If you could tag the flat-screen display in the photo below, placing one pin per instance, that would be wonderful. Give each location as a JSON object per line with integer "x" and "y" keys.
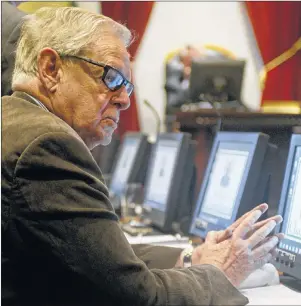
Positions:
{"x": 124, "y": 164}
{"x": 161, "y": 174}
{"x": 216, "y": 76}
{"x": 235, "y": 181}
{"x": 292, "y": 214}
{"x": 224, "y": 182}
{"x": 288, "y": 253}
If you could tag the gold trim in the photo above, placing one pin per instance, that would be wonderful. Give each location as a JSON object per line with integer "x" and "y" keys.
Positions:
{"x": 278, "y": 61}
{"x": 281, "y": 106}
{"x": 212, "y": 47}
{"x": 31, "y": 7}
{"x": 221, "y": 50}
{"x": 171, "y": 54}
{"x": 282, "y": 101}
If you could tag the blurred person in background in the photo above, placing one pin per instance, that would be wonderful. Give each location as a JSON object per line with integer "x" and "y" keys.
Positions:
{"x": 178, "y": 69}
{"x": 10, "y": 32}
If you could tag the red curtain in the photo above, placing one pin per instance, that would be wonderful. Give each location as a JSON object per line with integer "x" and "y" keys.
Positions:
{"x": 277, "y": 26}
{"x": 135, "y": 16}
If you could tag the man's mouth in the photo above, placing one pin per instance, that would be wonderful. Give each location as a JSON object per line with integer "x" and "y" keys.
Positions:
{"x": 113, "y": 119}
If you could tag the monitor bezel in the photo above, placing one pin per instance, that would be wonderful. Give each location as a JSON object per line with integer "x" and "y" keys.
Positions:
{"x": 105, "y": 155}
{"x": 259, "y": 143}
{"x": 201, "y": 64}
{"x": 163, "y": 219}
{"x": 294, "y": 143}
{"x": 134, "y": 171}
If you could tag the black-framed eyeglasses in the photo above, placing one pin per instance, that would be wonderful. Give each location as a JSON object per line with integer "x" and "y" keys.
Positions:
{"x": 111, "y": 77}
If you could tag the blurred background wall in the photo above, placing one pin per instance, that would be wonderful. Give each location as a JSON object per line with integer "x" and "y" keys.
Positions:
{"x": 258, "y": 32}
{"x": 175, "y": 24}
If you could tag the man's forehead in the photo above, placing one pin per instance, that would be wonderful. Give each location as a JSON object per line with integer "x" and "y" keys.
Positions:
{"x": 112, "y": 52}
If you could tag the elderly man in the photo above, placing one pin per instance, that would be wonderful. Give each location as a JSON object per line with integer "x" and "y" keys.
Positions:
{"x": 61, "y": 241}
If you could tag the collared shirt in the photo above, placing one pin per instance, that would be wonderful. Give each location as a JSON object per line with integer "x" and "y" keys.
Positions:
{"x": 39, "y": 103}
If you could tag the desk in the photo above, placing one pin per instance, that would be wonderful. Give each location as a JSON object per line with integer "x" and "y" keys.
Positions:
{"x": 164, "y": 240}
{"x": 276, "y": 294}
{"x": 202, "y": 125}
{"x": 272, "y": 295}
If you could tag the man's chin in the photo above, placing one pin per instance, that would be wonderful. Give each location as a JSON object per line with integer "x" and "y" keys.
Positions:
{"x": 103, "y": 137}
{"x": 104, "y": 141}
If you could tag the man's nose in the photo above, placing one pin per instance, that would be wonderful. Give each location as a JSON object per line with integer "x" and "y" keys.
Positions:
{"x": 122, "y": 99}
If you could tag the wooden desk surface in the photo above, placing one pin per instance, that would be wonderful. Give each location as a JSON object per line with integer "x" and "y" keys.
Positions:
{"x": 209, "y": 117}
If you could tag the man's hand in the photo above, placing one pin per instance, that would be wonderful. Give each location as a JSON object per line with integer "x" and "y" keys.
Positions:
{"x": 220, "y": 236}
{"x": 248, "y": 248}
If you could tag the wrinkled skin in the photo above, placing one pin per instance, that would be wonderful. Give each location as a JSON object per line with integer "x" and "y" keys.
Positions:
{"x": 76, "y": 92}
{"x": 242, "y": 248}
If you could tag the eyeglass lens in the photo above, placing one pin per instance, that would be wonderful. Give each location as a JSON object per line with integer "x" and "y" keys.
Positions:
{"x": 114, "y": 80}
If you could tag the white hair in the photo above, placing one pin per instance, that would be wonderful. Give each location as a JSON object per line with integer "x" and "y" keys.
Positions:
{"x": 68, "y": 30}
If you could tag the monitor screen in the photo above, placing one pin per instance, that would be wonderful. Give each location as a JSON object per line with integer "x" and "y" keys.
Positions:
{"x": 292, "y": 215}
{"x": 288, "y": 257}
{"x": 124, "y": 164}
{"x": 225, "y": 180}
{"x": 235, "y": 181}
{"x": 105, "y": 155}
{"x": 161, "y": 174}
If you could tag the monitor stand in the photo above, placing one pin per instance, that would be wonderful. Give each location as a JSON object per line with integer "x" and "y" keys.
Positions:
{"x": 291, "y": 283}
{"x": 222, "y": 101}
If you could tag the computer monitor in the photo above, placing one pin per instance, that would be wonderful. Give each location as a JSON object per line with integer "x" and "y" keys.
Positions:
{"x": 131, "y": 164}
{"x": 236, "y": 180}
{"x": 168, "y": 187}
{"x": 288, "y": 259}
{"x": 105, "y": 156}
{"x": 216, "y": 80}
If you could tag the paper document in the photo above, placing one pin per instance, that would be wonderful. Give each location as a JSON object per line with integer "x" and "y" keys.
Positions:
{"x": 265, "y": 276}
{"x": 272, "y": 295}
{"x": 156, "y": 239}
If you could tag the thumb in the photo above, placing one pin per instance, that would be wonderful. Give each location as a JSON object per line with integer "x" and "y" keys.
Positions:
{"x": 224, "y": 235}
{"x": 215, "y": 237}
{"x": 212, "y": 237}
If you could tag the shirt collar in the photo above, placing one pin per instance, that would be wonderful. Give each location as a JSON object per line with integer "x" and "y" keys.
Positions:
{"x": 30, "y": 98}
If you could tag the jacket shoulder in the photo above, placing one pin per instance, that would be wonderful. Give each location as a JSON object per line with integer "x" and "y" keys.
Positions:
{"x": 22, "y": 123}
{"x": 30, "y": 120}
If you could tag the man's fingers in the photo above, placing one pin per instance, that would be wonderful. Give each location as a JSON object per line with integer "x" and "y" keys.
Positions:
{"x": 262, "y": 261}
{"x": 261, "y": 233}
{"x": 211, "y": 237}
{"x": 278, "y": 219}
{"x": 279, "y": 235}
{"x": 265, "y": 248}
{"x": 247, "y": 224}
{"x": 223, "y": 235}
{"x": 215, "y": 237}
{"x": 266, "y": 239}
{"x": 273, "y": 252}
{"x": 262, "y": 207}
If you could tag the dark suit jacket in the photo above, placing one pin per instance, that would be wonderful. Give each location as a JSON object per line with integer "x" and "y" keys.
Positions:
{"x": 176, "y": 95}
{"x": 61, "y": 240}
{"x": 10, "y": 32}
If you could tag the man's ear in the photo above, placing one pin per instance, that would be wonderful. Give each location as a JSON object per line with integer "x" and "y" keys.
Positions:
{"x": 49, "y": 68}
